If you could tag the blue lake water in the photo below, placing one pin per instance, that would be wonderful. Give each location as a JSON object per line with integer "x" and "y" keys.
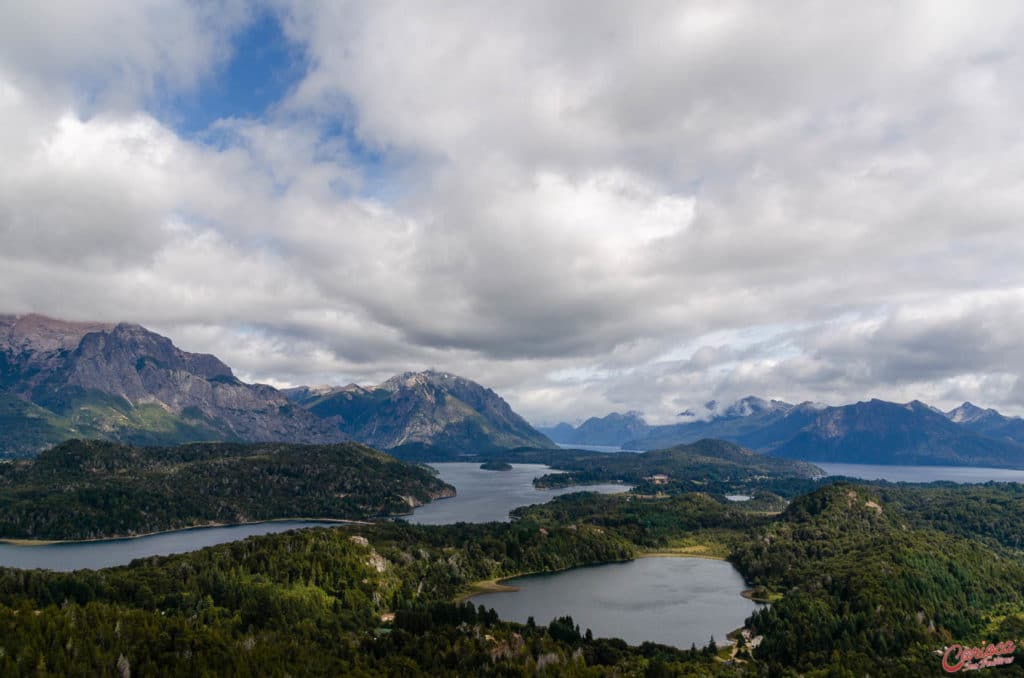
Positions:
{"x": 486, "y": 496}
{"x": 483, "y": 496}
{"x": 922, "y": 474}
{"x": 611, "y": 449}
{"x": 109, "y": 552}
{"x": 675, "y": 601}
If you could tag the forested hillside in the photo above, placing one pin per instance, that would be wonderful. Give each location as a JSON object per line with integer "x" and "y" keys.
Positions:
{"x": 859, "y": 586}
{"x": 90, "y": 489}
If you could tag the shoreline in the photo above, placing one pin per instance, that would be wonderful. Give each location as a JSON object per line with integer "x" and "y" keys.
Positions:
{"x": 487, "y": 586}
{"x": 679, "y": 554}
{"x": 16, "y": 541}
{"x": 749, "y": 595}
{"x": 499, "y": 585}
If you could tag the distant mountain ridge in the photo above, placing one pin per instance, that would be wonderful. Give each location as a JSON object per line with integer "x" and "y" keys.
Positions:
{"x": 988, "y": 422}
{"x": 613, "y": 429}
{"x": 880, "y": 432}
{"x": 872, "y": 432}
{"x": 417, "y": 410}
{"x": 122, "y": 382}
{"x": 631, "y": 431}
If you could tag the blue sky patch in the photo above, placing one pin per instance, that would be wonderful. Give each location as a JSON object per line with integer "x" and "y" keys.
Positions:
{"x": 264, "y": 66}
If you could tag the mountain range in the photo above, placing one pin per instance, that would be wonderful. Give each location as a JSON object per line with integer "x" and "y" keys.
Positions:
{"x": 121, "y": 382}
{"x": 61, "y": 380}
{"x": 415, "y": 412}
{"x": 614, "y": 430}
{"x": 872, "y": 432}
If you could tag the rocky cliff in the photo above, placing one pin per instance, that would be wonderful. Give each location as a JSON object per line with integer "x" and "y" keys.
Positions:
{"x": 61, "y": 380}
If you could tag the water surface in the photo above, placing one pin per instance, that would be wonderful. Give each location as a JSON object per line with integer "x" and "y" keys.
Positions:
{"x": 486, "y": 496}
{"x": 93, "y": 555}
{"x": 610, "y": 449}
{"x": 483, "y": 496}
{"x": 674, "y": 601}
{"x": 922, "y": 474}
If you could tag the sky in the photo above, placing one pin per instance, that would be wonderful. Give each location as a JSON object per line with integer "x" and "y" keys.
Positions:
{"x": 588, "y": 206}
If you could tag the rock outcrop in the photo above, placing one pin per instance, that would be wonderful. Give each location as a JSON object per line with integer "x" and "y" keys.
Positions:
{"x": 123, "y": 382}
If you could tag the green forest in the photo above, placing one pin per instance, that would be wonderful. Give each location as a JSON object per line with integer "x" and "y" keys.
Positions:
{"x": 863, "y": 579}
{"x": 91, "y": 489}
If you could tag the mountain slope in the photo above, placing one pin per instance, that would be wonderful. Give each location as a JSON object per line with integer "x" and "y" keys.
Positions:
{"x": 988, "y": 422}
{"x": 879, "y": 432}
{"x": 744, "y": 417}
{"x": 61, "y": 380}
{"x": 561, "y": 433}
{"x": 705, "y": 465}
{"x": 874, "y": 432}
{"x": 613, "y": 429}
{"x": 449, "y": 414}
{"x": 859, "y": 573}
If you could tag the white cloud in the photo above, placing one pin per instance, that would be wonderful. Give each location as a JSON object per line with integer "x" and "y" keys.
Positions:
{"x": 598, "y": 208}
{"x": 109, "y": 53}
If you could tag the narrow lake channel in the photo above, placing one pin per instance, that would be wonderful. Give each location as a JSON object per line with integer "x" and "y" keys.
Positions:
{"x": 483, "y": 496}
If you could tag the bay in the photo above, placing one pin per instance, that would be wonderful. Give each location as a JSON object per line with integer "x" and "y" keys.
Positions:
{"x": 77, "y": 555}
{"x": 483, "y": 496}
{"x": 487, "y": 496}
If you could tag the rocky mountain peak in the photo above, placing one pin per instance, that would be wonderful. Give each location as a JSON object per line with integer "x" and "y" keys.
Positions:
{"x": 33, "y": 347}
{"x": 968, "y": 412}
{"x": 425, "y": 378}
{"x": 751, "y": 405}
{"x": 137, "y": 364}
{"x": 125, "y": 382}
{"x": 920, "y": 406}
{"x": 430, "y": 408}
{"x": 42, "y": 334}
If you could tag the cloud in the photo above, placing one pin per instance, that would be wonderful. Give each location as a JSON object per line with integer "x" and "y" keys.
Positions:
{"x": 586, "y": 208}
{"x": 109, "y": 53}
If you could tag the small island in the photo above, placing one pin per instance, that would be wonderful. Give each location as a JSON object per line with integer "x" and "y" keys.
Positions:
{"x": 496, "y": 466}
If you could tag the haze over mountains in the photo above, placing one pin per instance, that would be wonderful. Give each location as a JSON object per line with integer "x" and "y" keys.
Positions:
{"x": 873, "y": 432}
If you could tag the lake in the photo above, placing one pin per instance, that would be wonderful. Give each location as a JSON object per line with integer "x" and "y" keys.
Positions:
{"x": 483, "y": 496}
{"x": 610, "y": 449}
{"x": 109, "y": 552}
{"x": 675, "y": 601}
{"x": 922, "y": 474}
{"x": 486, "y": 496}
